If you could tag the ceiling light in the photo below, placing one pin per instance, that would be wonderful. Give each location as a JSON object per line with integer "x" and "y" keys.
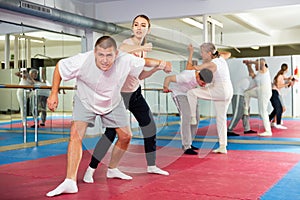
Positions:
{"x": 192, "y": 22}
{"x": 255, "y": 47}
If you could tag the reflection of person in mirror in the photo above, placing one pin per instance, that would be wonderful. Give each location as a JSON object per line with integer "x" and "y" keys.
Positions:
{"x": 42, "y": 95}
{"x": 94, "y": 72}
{"x": 134, "y": 102}
{"x": 25, "y": 79}
{"x": 263, "y": 91}
{"x": 238, "y": 103}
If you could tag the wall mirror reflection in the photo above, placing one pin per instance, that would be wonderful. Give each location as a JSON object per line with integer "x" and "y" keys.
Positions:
{"x": 28, "y": 57}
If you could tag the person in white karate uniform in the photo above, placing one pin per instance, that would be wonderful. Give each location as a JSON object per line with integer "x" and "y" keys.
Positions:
{"x": 220, "y": 91}
{"x": 25, "y": 79}
{"x": 263, "y": 91}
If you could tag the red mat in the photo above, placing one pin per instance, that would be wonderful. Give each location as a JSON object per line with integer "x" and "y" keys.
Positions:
{"x": 237, "y": 175}
{"x": 293, "y": 130}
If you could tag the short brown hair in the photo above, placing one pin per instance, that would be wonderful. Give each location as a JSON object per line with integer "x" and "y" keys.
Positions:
{"x": 106, "y": 42}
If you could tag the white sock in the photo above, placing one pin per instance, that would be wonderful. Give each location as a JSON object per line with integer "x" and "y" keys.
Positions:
{"x": 155, "y": 170}
{"x": 116, "y": 173}
{"x": 68, "y": 186}
{"x": 88, "y": 176}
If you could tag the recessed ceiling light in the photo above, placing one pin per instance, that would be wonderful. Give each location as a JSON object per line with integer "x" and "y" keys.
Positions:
{"x": 255, "y": 47}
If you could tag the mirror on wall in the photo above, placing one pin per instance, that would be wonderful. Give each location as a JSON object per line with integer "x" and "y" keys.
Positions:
{"x": 24, "y": 50}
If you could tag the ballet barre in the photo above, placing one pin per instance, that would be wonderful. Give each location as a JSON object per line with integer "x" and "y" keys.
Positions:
{"x": 34, "y": 88}
{"x": 159, "y": 91}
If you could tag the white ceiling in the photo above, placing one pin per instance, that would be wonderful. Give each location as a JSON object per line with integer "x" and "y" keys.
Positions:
{"x": 264, "y": 23}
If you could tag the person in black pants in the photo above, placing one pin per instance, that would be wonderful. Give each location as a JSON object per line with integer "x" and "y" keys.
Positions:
{"x": 279, "y": 82}
{"x": 277, "y": 109}
{"x": 134, "y": 102}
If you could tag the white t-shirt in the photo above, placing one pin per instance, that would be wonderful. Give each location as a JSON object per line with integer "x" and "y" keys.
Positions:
{"x": 98, "y": 90}
{"x": 132, "y": 82}
{"x": 243, "y": 85}
{"x": 222, "y": 73}
{"x": 263, "y": 80}
{"x": 185, "y": 81}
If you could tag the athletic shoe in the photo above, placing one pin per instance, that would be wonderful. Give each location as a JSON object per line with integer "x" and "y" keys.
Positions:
{"x": 230, "y": 133}
{"x": 279, "y": 126}
{"x": 42, "y": 124}
{"x": 250, "y": 131}
{"x": 273, "y": 124}
{"x": 194, "y": 148}
{"x": 155, "y": 170}
{"x": 221, "y": 149}
{"x": 190, "y": 152}
{"x": 265, "y": 134}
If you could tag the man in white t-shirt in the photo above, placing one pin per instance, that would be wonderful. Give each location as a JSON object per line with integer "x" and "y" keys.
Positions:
{"x": 180, "y": 85}
{"x": 100, "y": 75}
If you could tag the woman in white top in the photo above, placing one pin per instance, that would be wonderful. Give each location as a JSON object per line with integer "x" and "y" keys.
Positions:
{"x": 263, "y": 91}
{"x": 25, "y": 80}
{"x": 220, "y": 91}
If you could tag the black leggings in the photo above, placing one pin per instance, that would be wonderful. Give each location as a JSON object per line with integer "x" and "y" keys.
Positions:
{"x": 277, "y": 107}
{"x": 138, "y": 106}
